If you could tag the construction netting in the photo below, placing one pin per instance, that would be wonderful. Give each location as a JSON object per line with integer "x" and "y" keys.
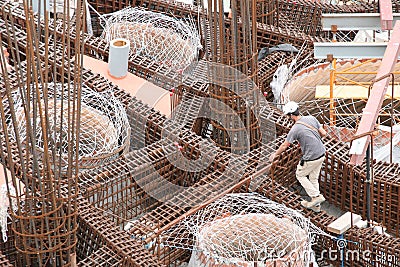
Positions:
{"x": 5, "y": 206}
{"x": 240, "y": 229}
{"x": 164, "y": 40}
{"x": 104, "y": 127}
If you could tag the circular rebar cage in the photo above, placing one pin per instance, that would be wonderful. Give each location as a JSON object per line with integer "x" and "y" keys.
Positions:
{"x": 103, "y": 127}
{"x": 243, "y": 229}
{"x": 252, "y": 237}
{"x": 167, "y": 41}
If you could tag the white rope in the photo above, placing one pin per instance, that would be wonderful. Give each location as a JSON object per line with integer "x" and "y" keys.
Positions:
{"x": 4, "y": 208}
{"x": 88, "y": 19}
{"x": 100, "y": 16}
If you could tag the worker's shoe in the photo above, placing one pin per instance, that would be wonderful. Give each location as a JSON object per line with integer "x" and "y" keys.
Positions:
{"x": 314, "y": 202}
{"x": 316, "y": 208}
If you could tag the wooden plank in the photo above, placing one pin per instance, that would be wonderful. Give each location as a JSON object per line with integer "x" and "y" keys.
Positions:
{"x": 343, "y": 223}
{"x": 149, "y": 93}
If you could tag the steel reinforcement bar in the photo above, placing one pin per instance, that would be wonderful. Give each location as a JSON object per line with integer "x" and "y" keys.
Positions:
{"x": 147, "y": 69}
{"x": 345, "y": 186}
{"x": 4, "y": 262}
{"x": 281, "y": 120}
{"x": 96, "y": 229}
{"x": 131, "y": 249}
{"x": 284, "y": 124}
{"x": 367, "y": 247}
{"x": 303, "y": 15}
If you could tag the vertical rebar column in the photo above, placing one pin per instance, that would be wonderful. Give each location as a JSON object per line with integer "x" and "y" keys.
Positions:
{"x": 232, "y": 47}
{"x": 45, "y": 220}
{"x": 235, "y": 127}
{"x": 266, "y": 11}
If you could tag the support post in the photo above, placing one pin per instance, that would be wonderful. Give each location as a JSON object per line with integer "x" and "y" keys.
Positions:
{"x": 340, "y": 243}
{"x": 332, "y": 73}
{"x": 368, "y": 184}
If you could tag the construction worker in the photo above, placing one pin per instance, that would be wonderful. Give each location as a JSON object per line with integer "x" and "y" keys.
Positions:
{"x": 307, "y": 131}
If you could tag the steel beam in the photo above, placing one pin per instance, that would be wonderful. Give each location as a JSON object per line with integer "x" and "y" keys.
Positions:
{"x": 378, "y": 92}
{"x": 354, "y": 21}
{"x": 350, "y": 50}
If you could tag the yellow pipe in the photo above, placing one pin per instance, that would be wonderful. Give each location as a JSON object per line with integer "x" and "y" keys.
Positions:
{"x": 351, "y": 81}
{"x": 359, "y": 64}
{"x": 361, "y": 72}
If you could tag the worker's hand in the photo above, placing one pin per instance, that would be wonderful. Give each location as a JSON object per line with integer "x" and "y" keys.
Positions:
{"x": 272, "y": 157}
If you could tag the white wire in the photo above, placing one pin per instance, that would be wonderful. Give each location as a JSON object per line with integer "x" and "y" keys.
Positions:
{"x": 240, "y": 228}
{"x": 165, "y": 40}
{"x": 104, "y": 122}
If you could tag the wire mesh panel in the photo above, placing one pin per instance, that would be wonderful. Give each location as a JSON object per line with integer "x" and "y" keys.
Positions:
{"x": 4, "y": 261}
{"x": 102, "y": 257}
{"x": 367, "y": 247}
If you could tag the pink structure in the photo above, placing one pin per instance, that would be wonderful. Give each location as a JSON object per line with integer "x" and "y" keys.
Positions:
{"x": 378, "y": 92}
{"x": 385, "y": 7}
{"x": 6, "y": 55}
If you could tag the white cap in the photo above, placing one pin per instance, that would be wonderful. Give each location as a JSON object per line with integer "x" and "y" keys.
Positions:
{"x": 290, "y": 107}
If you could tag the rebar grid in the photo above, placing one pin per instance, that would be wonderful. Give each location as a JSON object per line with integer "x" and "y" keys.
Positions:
{"x": 98, "y": 230}
{"x": 345, "y": 187}
{"x": 4, "y": 262}
{"x": 371, "y": 248}
{"x": 102, "y": 257}
{"x": 168, "y": 211}
{"x": 267, "y": 35}
{"x": 282, "y": 13}
{"x": 131, "y": 250}
{"x": 162, "y": 212}
{"x": 149, "y": 70}
{"x": 284, "y": 122}
{"x": 278, "y": 118}
{"x": 305, "y": 16}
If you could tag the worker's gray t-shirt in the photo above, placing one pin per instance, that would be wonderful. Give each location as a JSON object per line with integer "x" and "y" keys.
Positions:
{"x": 309, "y": 140}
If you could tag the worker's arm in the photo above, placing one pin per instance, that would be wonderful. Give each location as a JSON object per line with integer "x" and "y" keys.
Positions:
{"x": 322, "y": 131}
{"x": 281, "y": 148}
